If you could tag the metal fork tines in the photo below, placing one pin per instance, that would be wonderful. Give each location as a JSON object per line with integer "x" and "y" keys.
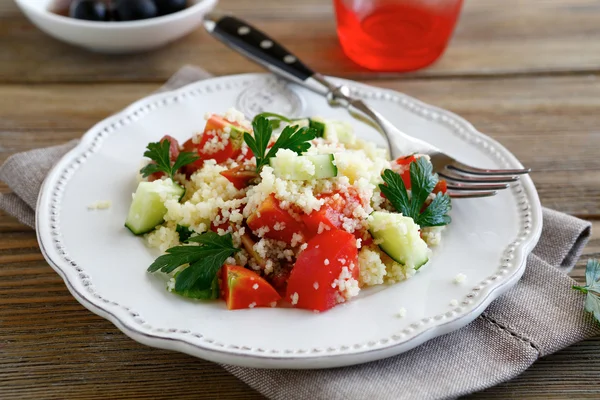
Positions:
{"x": 464, "y": 181}
{"x": 465, "y": 186}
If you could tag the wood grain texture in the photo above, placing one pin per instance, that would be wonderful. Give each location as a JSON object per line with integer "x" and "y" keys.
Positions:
{"x": 507, "y": 37}
{"x": 525, "y": 72}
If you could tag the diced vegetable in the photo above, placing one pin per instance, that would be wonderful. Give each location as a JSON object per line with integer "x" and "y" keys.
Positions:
{"x": 399, "y": 237}
{"x": 147, "y": 208}
{"x": 336, "y": 206}
{"x": 242, "y": 288}
{"x": 201, "y": 294}
{"x": 239, "y": 176}
{"x": 334, "y": 130}
{"x": 213, "y": 145}
{"x": 275, "y": 222}
{"x": 441, "y": 187}
{"x": 316, "y": 123}
{"x": 310, "y": 285}
{"x": 328, "y": 216}
{"x": 304, "y": 167}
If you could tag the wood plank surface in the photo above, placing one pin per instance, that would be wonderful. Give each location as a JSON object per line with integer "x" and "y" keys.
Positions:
{"x": 525, "y": 72}
{"x": 493, "y": 37}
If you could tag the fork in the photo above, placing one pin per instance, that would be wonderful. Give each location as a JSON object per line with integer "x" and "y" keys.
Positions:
{"x": 463, "y": 181}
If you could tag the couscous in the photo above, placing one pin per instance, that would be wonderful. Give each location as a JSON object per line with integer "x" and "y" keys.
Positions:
{"x": 277, "y": 211}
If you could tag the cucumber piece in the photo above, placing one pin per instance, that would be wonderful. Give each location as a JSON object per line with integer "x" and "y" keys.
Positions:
{"x": 318, "y": 125}
{"x": 300, "y": 122}
{"x": 303, "y": 168}
{"x": 398, "y": 236}
{"x": 340, "y": 131}
{"x": 147, "y": 209}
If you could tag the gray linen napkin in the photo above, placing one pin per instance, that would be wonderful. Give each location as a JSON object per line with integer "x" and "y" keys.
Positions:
{"x": 541, "y": 315}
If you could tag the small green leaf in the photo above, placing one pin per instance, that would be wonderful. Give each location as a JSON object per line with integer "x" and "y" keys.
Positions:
{"x": 422, "y": 182}
{"x": 292, "y": 137}
{"x": 160, "y": 154}
{"x": 592, "y": 275}
{"x": 184, "y": 158}
{"x": 184, "y": 233}
{"x": 436, "y": 212}
{"x": 395, "y": 191}
{"x": 592, "y": 287}
{"x": 203, "y": 261}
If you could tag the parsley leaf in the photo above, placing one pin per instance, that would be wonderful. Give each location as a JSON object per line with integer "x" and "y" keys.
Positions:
{"x": 292, "y": 138}
{"x": 422, "y": 181}
{"x": 159, "y": 152}
{"x": 204, "y": 261}
{"x": 592, "y": 288}
{"x": 274, "y": 119}
{"x": 184, "y": 233}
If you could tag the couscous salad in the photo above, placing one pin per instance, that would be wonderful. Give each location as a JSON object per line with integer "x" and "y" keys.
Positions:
{"x": 278, "y": 212}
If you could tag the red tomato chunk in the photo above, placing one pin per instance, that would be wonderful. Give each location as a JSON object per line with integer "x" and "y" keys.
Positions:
{"x": 213, "y": 132}
{"x": 318, "y": 266}
{"x": 242, "y": 288}
{"x": 337, "y": 205}
{"x": 277, "y": 222}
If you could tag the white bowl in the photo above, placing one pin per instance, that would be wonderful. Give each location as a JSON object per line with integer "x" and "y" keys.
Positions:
{"x": 116, "y": 37}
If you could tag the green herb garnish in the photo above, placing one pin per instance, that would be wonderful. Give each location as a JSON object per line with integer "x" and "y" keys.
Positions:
{"x": 274, "y": 119}
{"x": 159, "y": 152}
{"x": 292, "y": 138}
{"x": 592, "y": 287}
{"x": 422, "y": 182}
{"x": 184, "y": 233}
{"x": 204, "y": 261}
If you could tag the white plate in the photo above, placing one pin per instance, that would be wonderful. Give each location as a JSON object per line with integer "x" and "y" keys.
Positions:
{"x": 104, "y": 266}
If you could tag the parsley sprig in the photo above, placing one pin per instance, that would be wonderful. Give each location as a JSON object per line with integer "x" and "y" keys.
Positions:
{"x": 292, "y": 138}
{"x": 422, "y": 182}
{"x": 204, "y": 262}
{"x": 159, "y": 152}
{"x": 274, "y": 119}
{"x": 592, "y": 287}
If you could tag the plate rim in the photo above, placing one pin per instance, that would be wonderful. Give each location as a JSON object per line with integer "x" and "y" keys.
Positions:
{"x": 191, "y": 343}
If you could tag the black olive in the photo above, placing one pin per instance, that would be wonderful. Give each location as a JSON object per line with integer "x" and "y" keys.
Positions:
{"x": 91, "y": 10}
{"x": 170, "y": 6}
{"x": 128, "y": 10}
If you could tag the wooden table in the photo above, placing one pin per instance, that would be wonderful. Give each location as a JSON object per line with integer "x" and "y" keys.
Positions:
{"x": 525, "y": 72}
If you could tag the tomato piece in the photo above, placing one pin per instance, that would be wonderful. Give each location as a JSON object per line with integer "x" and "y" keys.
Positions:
{"x": 189, "y": 169}
{"x": 331, "y": 212}
{"x": 441, "y": 187}
{"x": 173, "y": 154}
{"x": 220, "y": 155}
{"x": 242, "y": 288}
{"x": 240, "y": 176}
{"x": 281, "y": 225}
{"x": 223, "y": 225}
{"x": 318, "y": 266}
{"x": 227, "y": 149}
{"x": 328, "y": 215}
{"x": 405, "y": 160}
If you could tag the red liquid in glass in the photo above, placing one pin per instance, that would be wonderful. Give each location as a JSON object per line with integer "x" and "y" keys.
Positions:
{"x": 396, "y": 35}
